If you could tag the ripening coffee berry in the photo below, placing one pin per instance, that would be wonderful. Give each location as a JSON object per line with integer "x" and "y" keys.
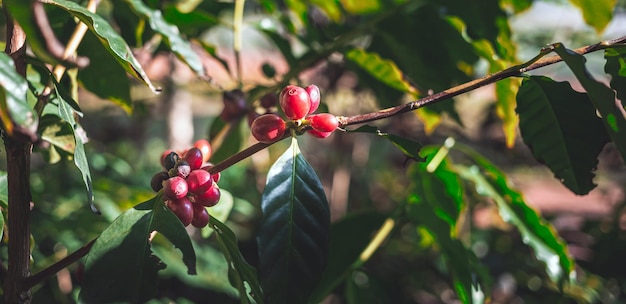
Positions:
{"x": 200, "y": 216}
{"x": 215, "y": 176}
{"x": 234, "y": 105}
{"x": 318, "y": 134}
{"x": 169, "y": 161}
{"x": 210, "y": 197}
{"x": 269, "y": 100}
{"x": 182, "y": 208}
{"x": 199, "y": 181}
{"x": 206, "y": 149}
{"x": 314, "y": 96}
{"x": 268, "y": 128}
{"x": 194, "y": 157}
{"x": 323, "y": 122}
{"x": 175, "y": 187}
{"x": 295, "y": 102}
{"x": 182, "y": 168}
{"x": 157, "y": 181}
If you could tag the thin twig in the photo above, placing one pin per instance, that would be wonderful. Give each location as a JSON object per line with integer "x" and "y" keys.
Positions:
{"x": 58, "y": 266}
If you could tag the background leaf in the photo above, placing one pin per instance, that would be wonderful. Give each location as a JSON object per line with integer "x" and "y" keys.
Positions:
{"x": 14, "y": 107}
{"x": 597, "y": 13}
{"x": 385, "y": 71}
{"x": 294, "y": 231}
{"x": 409, "y": 147}
{"x": 561, "y": 128}
{"x": 616, "y": 67}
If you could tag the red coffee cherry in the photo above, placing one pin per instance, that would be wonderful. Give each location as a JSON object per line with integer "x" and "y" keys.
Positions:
{"x": 269, "y": 100}
{"x": 315, "y": 97}
{"x": 318, "y": 134}
{"x": 194, "y": 157}
{"x": 156, "y": 183}
{"x": 200, "y": 216}
{"x": 199, "y": 181}
{"x": 175, "y": 187}
{"x": 295, "y": 102}
{"x": 205, "y": 148}
{"x": 182, "y": 208}
{"x": 268, "y": 128}
{"x": 324, "y": 122}
{"x": 215, "y": 176}
{"x": 210, "y": 197}
{"x": 234, "y": 105}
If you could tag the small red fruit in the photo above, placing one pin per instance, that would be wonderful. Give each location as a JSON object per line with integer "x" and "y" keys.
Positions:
{"x": 194, "y": 157}
{"x": 324, "y": 122}
{"x": 182, "y": 208}
{"x": 234, "y": 105}
{"x": 199, "y": 181}
{"x": 175, "y": 187}
{"x": 210, "y": 197}
{"x": 215, "y": 176}
{"x": 295, "y": 102}
{"x": 314, "y": 96}
{"x": 319, "y": 134}
{"x": 269, "y": 100}
{"x": 268, "y": 128}
{"x": 206, "y": 149}
{"x": 200, "y": 216}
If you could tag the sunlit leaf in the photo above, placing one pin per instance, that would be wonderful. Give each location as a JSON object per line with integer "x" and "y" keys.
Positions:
{"x": 294, "y": 230}
{"x": 181, "y": 47}
{"x": 348, "y": 238}
{"x": 409, "y": 147}
{"x": 536, "y": 232}
{"x": 330, "y": 7}
{"x": 359, "y": 7}
{"x": 601, "y": 96}
{"x": 616, "y": 67}
{"x": 597, "y": 13}
{"x": 241, "y": 275}
{"x": 122, "y": 251}
{"x": 384, "y": 70}
{"x": 109, "y": 38}
{"x": 14, "y": 108}
{"x": 561, "y": 128}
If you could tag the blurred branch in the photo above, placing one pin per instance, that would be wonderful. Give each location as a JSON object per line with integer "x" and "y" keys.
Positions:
{"x": 56, "y": 267}
{"x": 518, "y": 70}
{"x": 237, "y": 24}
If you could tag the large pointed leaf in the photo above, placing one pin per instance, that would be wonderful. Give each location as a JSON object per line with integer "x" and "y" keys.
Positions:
{"x": 294, "y": 231}
{"x": 409, "y": 147}
{"x": 601, "y": 96}
{"x": 14, "y": 108}
{"x": 386, "y": 71}
{"x": 616, "y": 67}
{"x": 561, "y": 128}
{"x": 120, "y": 266}
{"x": 536, "y": 232}
{"x": 109, "y": 38}
{"x": 180, "y": 47}
{"x": 241, "y": 275}
{"x": 597, "y": 13}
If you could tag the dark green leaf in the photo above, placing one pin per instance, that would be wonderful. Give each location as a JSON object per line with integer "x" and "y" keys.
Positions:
{"x": 123, "y": 252}
{"x": 348, "y": 238}
{"x": 561, "y": 128}
{"x": 231, "y": 138}
{"x": 410, "y": 148}
{"x": 14, "y": 108}
{"x": 601, "y": 96}
{"x": 180, "y": 47}
{"x": 597, "y": 13}
{"x": 294, "y": 231}
{"x": 192, "y": 22}
{"x": 103, "y": 76}
{"x": 616, "y": 67}
{"x": 536, "y": 232}
{"x": 241, "y": 275}
{"x": 109, "y": 38}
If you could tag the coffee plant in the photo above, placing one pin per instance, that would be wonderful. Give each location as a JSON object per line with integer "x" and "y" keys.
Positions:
{"x": 205, "y": 221}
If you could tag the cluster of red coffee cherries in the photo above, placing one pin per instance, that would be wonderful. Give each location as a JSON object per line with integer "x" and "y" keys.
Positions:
{"x": 187, "y": 186}
{"x": 298, "y": 104}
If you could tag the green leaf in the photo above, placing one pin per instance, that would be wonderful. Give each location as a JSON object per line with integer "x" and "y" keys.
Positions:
{"x": 386, "y": 71}
{"x": 193, "y": 22}
{"x": 180, "y": 47}
{"x": 103, "y": 76}
{"x": 361, "y": 7}
{"x": 14, "y": 108}
{"x": 330, "y": 7}
{"x": 616, "y": 67}
{"x": 241, "y": 275}
{"x": 231, "y": 138}
{"x": 410, "y": 148}
{"x": 597, "y": 13}
{"x": 294, "y": 230}
{"x": 348, "y": 238}
{"x": 120, "y": 266}
{"x": 561, "y": 128}
{"x": 109, "y": 38}
{"x": 601, "y": 96}
{"x": 535, "y": 231}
